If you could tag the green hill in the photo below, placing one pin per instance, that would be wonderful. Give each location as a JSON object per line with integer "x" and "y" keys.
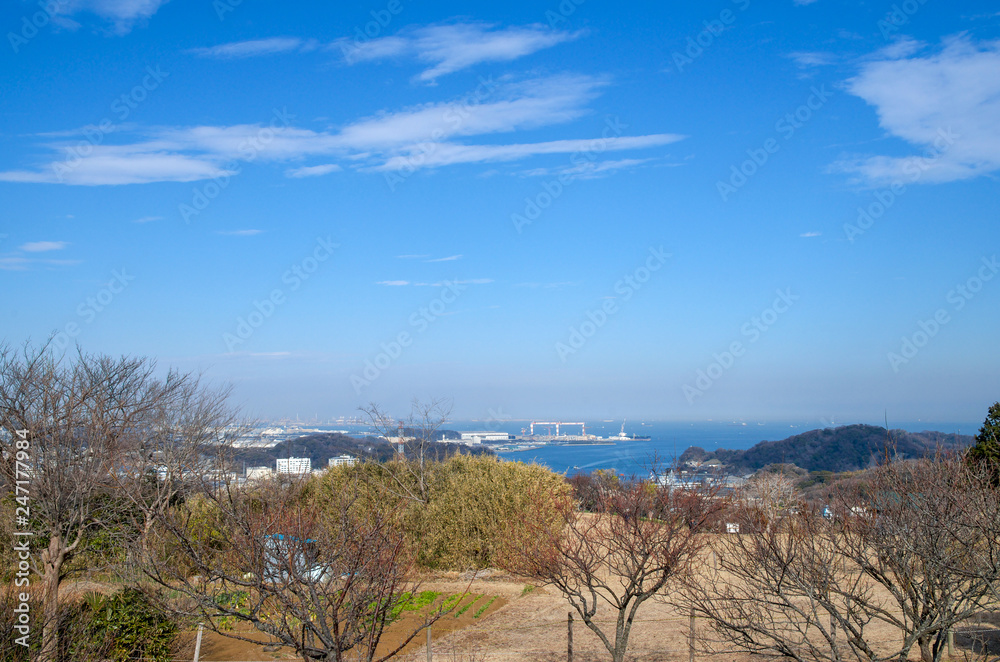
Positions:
{"x": 846, "y": 448}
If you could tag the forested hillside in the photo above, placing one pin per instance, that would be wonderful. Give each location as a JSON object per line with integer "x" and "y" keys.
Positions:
{"x": 846, "y": 448}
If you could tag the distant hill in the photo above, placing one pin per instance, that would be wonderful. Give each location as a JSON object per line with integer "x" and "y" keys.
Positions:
{"x": 321, "y": 447}
{"x": 846, "y": 448}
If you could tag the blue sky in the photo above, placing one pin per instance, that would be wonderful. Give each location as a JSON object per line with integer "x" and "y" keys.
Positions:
{"x": 731, "y": 209}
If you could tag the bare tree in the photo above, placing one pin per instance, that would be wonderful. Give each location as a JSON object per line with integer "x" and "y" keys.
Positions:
{"x": 640, "y": 538}
{"x": 189, "y": 439}
{"x": 323, "y": 581}
{"x": 903, "y": 555}
{"x": 767, "y": 496}
{"x": 407, "y": 474}
{"x": 78, "y": 414}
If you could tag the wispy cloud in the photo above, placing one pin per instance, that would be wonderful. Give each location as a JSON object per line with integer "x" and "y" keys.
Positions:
{"x": 239, "y": 233}
{"x": 440, "y": 283}
{"x": 807, "y": 59}
{"x": 589, "y": 169}
{"x": 312, "y": 171}
{"x": 549, "y": 286}
{"x": 123, "y": 15}
{"x": 427, "y": 136}
{"x": 450, "y": 258}
{"x": 14, "y": 263}
{"x": 451, "y": 48}
{"x": 256, "y": 47}
{"x": 810, "y": 234}
{"x": 20, "y": 263}
{"x": 944, "y": 103}
{"x": 43, "y": 246}
{"x": 442, "y": 154}
{"x": 148, "y": 219}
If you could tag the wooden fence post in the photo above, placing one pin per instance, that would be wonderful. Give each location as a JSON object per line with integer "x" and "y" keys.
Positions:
{"x": 951, "y": 643}
{"x": 569, "y": 637}
{"x": 197, "y": 642}
{"x": 691, "y": 638}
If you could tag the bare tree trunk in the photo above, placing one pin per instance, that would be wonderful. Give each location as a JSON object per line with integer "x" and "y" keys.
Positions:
{"x": 52, "y": 560}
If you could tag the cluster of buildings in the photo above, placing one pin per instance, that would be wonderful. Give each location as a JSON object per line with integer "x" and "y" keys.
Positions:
{"x": 297, "y": 466}
{"x": 476, "y": 438}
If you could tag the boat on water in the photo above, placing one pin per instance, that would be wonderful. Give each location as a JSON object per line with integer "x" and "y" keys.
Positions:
{"x": 621, "y": 436}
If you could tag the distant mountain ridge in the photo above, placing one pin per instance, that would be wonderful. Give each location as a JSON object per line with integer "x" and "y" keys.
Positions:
{"x": 845, "y": 448}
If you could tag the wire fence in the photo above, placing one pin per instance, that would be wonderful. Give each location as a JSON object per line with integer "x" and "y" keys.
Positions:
{"x": 447, "y": 651}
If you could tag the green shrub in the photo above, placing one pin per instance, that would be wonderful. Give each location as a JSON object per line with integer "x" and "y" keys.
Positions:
{"x": 127, "y": 624}
{"x": 472, "y": 503}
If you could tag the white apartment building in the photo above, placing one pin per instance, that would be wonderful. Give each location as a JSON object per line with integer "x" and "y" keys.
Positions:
{"x": 294, "y": 465}
{"x": 257, "y": 473}
{"x": 342, "y": 461}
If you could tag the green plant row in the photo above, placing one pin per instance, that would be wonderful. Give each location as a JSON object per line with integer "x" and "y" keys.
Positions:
{"x": 465, "y": 608}
{"x": 479, "y": 612}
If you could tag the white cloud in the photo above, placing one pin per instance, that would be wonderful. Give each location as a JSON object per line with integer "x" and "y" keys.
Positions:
{"x": 421, "y": 137}
{"x": 14, "y": 263}
{"x": 549, "y": 286}
{"x": 42, "y": 246}
{"x": 440, "y": 283}
{"x": 442, "y": 154}
{"x": 141, "y": 163}
{"x": 122, "y": 14}
{"x": 239, "y": 233}
{"x": 312, "y": 171}
{"x": 451, "y": 48}
{"x": 945, "y": 104}
{"x": 450, "y": 258}
{"x": 148, "y": 219}
{"x": 810, "y": 234}
{"x": 806, "y": 59}
{"x": 588, "y": 169}
{"x": 253, "y": 48}
{"x": 531, "y": 104}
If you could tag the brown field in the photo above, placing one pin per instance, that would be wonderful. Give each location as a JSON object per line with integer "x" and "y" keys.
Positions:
{"x": 526, "y": 623}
